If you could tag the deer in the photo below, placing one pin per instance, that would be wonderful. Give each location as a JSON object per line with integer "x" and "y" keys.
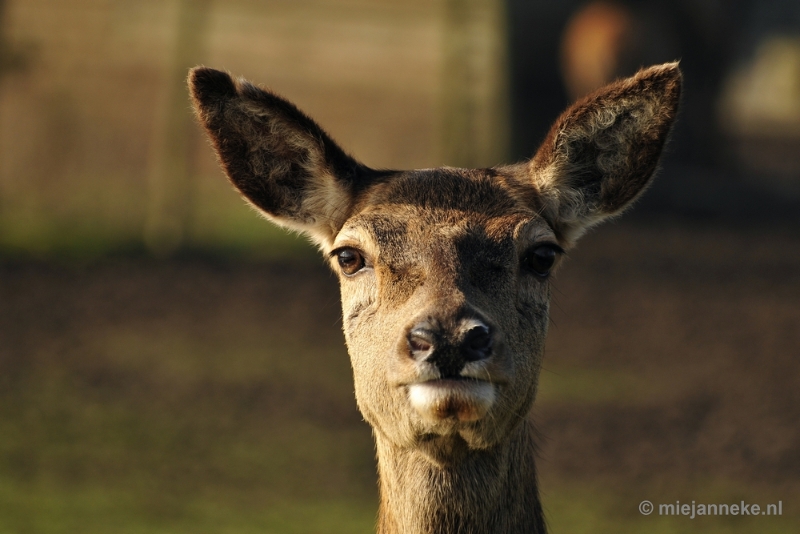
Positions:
{"x": 445, "y": 279}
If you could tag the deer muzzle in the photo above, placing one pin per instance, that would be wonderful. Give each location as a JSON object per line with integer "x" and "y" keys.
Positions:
{"x": 453, "y": 379}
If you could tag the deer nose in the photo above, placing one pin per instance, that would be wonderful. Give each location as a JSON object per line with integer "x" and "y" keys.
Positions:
{"x": 451, "y": 352}
{"x": 477, "y": 344}
{"x": 421, "y": 342}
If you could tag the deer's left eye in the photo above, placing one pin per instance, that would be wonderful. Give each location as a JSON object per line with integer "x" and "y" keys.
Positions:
{"x": 540, "y": 259}
{"x": 350, "y": 260}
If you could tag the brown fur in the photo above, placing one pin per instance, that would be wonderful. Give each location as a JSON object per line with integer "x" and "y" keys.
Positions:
{"x": 446, "y": 320}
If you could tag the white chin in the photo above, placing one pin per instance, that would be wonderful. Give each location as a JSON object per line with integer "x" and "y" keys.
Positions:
{"x": 459, "y": 400}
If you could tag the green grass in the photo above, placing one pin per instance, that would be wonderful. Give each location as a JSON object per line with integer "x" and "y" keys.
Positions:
{"x": 221, "y": 414}
{"x": 576, "y": 505}
{"x": 598, "y": 508}
{"x": 140, "y": 428}
{"x": 582, "y": 385}
{"x": 55, "y": 508}
{"x": 81, "y": 461}
{"x": 216, "y": 220}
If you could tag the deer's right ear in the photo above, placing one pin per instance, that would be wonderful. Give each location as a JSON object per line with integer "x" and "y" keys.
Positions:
{"x": 280, "y": 160}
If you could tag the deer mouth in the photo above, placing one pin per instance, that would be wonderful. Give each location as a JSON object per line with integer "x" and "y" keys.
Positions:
{"x": 457, "y": 399}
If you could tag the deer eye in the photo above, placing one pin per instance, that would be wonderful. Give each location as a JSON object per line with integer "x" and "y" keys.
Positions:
{"x": 539, "y": 260}
{"x": 350, "y": 260}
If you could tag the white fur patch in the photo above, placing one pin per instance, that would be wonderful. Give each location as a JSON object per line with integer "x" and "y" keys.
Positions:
{"x": 438, "y": 399}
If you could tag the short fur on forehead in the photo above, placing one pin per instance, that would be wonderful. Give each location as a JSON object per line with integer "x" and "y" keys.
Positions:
{"x": 446, "y": 189}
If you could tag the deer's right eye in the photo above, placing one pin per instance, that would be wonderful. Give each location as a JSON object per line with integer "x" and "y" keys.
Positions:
{"x": 350, "y": 260}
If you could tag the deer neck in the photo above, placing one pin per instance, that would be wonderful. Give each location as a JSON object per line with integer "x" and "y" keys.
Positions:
{"x": 446, "y": 488}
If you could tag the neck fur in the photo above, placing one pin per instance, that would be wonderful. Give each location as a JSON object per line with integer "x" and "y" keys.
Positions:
{"x": 471, "y": 492}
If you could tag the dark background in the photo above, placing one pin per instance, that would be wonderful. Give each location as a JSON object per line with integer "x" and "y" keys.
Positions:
{"x": 169, "y": 362}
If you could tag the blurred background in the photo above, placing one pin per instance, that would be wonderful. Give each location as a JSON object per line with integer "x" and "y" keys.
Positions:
{"x": 169, "y": 362}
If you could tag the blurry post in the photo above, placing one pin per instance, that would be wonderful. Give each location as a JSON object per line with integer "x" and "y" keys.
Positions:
{"x": 169, "y": 177}
{"x": 474, "y": 97}
{"x": 3, "y": 46}
{"x": 594, "y": 46}
{"x": 12, "y": 58}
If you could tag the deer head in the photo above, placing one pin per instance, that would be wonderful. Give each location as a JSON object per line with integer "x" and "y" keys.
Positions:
{"x": 444, "y": 272}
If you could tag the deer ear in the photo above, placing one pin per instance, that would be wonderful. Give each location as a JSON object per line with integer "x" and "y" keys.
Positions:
{"x": 601, "y": 153}
{"x": 280, "y": 160}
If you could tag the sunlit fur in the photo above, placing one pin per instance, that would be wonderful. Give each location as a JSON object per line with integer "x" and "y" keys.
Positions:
{"x": 616, "y": 133}
{"x": 444, "y": 248}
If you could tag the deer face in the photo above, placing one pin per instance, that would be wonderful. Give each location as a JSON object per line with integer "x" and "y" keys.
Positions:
{"x": 444, "y": 282}
{"x": 445, "y": 272}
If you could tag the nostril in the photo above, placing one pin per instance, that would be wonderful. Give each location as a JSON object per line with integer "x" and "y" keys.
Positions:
{"x": 477, "y": 344}
{"x": 420, "y": 342}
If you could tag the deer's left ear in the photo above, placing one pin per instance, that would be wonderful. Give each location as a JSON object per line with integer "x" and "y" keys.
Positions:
{"x": 601, "y": 153}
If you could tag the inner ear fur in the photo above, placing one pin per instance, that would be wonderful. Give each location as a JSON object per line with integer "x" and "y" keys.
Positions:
{"x": 601, "y": 153}
{"x": 279, "y": 159}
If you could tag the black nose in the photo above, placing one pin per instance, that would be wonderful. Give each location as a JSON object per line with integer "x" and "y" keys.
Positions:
{"x": 477, "y": 344}
{"x": 450, "y": 351}
{"x": 421, "y": 343}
